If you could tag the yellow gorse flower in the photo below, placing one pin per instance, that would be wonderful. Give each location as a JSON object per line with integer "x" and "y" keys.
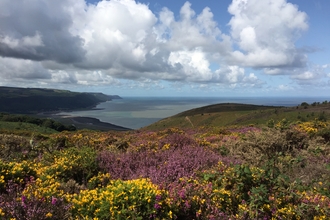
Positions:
{"x": 114, "y": 196}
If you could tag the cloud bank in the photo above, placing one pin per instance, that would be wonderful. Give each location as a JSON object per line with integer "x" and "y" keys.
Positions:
{"x": 73, "y": 42}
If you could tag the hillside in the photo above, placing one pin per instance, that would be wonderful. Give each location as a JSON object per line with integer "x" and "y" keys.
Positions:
{"x": 241, "y": 172}
{"x": 229, "y": 161}
{"x": 32, "y": 100}
{"x": 233, "y": 114}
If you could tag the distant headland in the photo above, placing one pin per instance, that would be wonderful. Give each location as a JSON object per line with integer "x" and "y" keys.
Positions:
{"x": 43, "y": 103}
{"x": 36, "y": 100}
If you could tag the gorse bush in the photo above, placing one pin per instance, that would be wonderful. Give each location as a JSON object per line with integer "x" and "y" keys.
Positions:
{"x": 256, "y": 147}
{"x": 72, "y": 163}
{"x": 15, "y": 172}
{"x": 134, "y": 199}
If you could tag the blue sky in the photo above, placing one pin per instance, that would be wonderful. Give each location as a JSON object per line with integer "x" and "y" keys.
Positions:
{"x": 168, "y": 48}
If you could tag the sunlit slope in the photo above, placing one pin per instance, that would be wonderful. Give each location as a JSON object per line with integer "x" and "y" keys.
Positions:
{"x": 228, "y": 114}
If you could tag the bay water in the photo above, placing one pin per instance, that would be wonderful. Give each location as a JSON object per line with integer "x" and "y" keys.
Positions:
{"x": 137, "y": 112}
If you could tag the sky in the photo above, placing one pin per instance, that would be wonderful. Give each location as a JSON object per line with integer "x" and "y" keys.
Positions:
{"x": 245, "y": 48}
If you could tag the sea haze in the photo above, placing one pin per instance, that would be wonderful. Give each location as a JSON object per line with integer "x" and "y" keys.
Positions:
{"x": 137, "y": 112}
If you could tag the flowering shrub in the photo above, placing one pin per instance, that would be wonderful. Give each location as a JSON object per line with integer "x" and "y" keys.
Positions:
{"x": 72, "y": 163}
{"x": 15, "y": 172}
{"x": 311, "y": 127}
{"x": 164, "y": 166}
{"x": 100, "y": 180}
{"x": 265, "y": 193}
{"x": 194, "y": 199}
{"x": 134, "y": 199}
{"x": 256, "y": 147}
{"x": 201, "y": 173}
{"x": 27, "y": 204}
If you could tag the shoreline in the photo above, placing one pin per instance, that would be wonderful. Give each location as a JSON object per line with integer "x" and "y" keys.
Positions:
{"x": 81, "y": 122}
{"x": 88, "y": 123}
{"x": 93, "y": 123}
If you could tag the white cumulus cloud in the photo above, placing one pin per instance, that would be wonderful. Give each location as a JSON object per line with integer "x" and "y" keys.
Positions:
{"x": 265, "y": 32}
{"x": 70, "y": 41}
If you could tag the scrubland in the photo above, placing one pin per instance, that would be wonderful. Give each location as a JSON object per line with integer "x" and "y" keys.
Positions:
{"x": 274, "y": 170}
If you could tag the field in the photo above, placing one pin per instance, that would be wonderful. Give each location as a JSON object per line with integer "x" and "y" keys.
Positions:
{"x": 219, "y": 162}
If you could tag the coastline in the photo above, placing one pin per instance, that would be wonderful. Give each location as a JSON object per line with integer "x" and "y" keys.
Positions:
{"x": 86, "y": 123}
{"x": 91, "y": 123}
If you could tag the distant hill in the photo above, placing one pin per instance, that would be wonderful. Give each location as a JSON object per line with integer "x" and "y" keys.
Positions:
{"x": 33, "y": 100}
{"x": 232, "y": 114}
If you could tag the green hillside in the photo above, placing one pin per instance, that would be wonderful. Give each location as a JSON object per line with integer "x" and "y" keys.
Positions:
{"x": 12, "y": 123}
{"x": 24, "y": 128}
{"x": 233, "y": 114}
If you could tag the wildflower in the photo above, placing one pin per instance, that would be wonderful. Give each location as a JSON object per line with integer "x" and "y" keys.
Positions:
{"x": 23, "y": 199}
{"x": 158, "y": 197}
{"x": 170, "y": 214}
{"x": 157, "y": 206}
{"x": 54, "y": 200}
{"x": 198, "y": 213}
{"x": 1, "y": 212}
{"x": 187, "y": 205}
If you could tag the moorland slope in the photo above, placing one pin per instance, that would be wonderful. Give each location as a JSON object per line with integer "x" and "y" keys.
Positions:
{"x": 231, "y": 114}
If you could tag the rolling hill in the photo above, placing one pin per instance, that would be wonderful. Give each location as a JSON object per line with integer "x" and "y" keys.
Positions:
{"x": 231, "y": 114}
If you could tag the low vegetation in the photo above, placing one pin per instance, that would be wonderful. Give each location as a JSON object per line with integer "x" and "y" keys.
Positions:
{"x": 278, "y": 168}
{"x": 25, "y": 122}
{"x": 229, "y": 114}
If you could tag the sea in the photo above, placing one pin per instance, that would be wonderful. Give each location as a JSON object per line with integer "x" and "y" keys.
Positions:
{"x": 138, "y": 112}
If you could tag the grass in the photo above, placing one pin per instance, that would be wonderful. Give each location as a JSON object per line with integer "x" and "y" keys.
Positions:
{"x": 220, "y": 115}
{"x": 21, "y": 127}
